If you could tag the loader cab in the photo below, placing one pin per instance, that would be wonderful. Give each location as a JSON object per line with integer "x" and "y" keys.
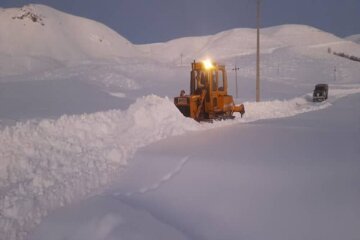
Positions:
{"x": 219, "y": 81}
{"x": 198, "y": 81}
{"x": 213, "y": 79}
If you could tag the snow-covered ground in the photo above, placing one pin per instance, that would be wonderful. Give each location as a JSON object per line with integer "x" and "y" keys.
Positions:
{"x": 355, "y": 38}
{"x": 92, "y": 146}
{"x": 301, "y": 181}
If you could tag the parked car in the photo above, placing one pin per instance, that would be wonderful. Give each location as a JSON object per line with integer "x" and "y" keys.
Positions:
{"x": 320, "y": 92}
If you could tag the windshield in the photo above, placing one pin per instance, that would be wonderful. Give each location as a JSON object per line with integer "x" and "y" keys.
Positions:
{"x": 320, "y": 88}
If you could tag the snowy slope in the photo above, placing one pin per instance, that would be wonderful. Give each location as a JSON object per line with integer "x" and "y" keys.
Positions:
{"x": 355, "y": 38}
{"x": 58, "y": 66}
{"x": 238, "y": 42}
{"x": 37, "y": 37}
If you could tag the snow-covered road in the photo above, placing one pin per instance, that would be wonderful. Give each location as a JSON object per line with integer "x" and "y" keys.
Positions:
{"x": 292, "y": 185}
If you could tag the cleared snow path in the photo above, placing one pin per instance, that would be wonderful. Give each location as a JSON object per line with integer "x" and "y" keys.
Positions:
{"x": 288, "y": 108}
{"x": 49, "y": 164}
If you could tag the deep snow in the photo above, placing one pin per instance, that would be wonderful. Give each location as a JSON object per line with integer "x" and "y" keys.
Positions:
{"x": 82, "y": 101}
{"x": 304, "y": 185}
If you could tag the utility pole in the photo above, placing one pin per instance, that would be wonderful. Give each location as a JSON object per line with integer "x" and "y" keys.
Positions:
{"x": 258, "y": 51}
{"x": 236, "y": 83}
{"x": 335, "y": 74}
{"x": 181, "y": 57}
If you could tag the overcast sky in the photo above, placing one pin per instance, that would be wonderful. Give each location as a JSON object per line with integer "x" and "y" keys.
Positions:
{"x": 145, "y": 21}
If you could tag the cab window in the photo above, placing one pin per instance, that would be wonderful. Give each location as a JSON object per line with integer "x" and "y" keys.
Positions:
{"x": 221, "y": 80}
{"x": 214, "y": 81}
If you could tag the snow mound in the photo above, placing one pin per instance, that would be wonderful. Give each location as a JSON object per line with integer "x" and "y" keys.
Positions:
{"x": 37, "y": 35}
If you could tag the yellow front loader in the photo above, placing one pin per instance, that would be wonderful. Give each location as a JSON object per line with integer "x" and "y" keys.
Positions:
{"x": 208, "y": 98}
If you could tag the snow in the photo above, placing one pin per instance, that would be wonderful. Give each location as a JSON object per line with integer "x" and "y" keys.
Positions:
{"x": 55, "y": 40}
{"x": 300, "y": 182}
{"x": 92, "y": 147}
{"x": 118, "y": 94}
{"x": 63, "y": 160}
{"x": 355, "y": 38}
{"x": 48, "y": 164}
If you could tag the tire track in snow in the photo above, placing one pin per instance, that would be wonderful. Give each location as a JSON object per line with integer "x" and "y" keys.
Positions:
{"x": 155, "y": 186}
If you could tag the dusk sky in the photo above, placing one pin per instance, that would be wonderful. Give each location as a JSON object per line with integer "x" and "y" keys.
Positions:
{"x": 145, "y": 21}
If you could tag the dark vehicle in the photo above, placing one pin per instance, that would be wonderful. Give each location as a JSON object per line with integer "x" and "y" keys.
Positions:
{"x": 320, "y": 92}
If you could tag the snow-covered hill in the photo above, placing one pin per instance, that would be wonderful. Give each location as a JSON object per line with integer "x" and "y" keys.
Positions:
{"x": 37, "y": 37}
{"x": 238, "y": 42}
{"x": 355, "y": 38}
{"x": 53, "y": 65}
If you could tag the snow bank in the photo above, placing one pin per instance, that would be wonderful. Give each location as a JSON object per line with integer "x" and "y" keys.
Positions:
{"x": 54, "y": 162}
{"x": 256, "y": 111}
{"x": 281, "y": 109}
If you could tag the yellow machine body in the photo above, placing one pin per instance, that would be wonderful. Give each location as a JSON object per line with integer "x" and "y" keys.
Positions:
{"x": 208, "y": 98}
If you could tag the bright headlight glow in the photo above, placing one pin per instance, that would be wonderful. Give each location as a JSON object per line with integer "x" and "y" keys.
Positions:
{"x": 208, "y": 64}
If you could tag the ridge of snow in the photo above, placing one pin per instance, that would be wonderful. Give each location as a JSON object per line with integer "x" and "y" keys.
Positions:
{"x": 54, "y": 162}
